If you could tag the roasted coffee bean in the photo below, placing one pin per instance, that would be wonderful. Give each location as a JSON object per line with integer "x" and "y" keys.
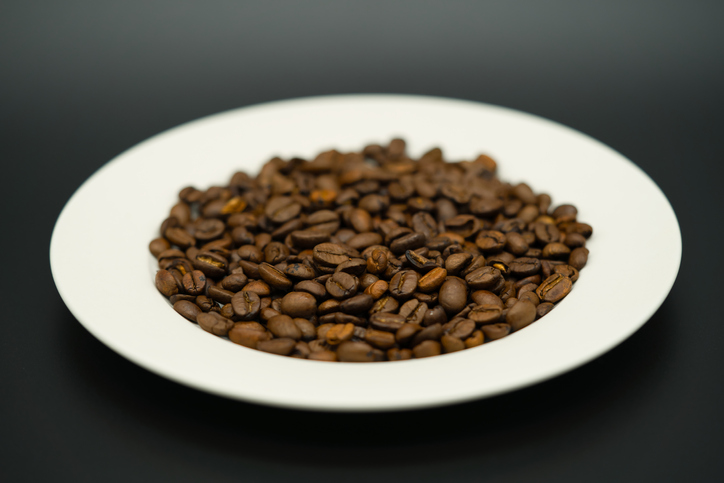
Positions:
{"x": 434, "y": 315}
{"x": 248, "y": 337}
{"x": 234, "y": 281}
{"x": 250, "y": 253}
{"x": 214, "y": 323}
{"x": 194, "y": 282}
{"x": 574, "y": 240}
{"x": 166, "y": 283}
{"x": 180, "y": 237}
{"x": 299, "y": 304}
{"x": 395, "y": 354}
{"x": 427, "y": 348}
{"x": 544, "y": 308}
{"x": 330, "y": 254}
{"x": 366, "y": 280}
{"x": 451, "y": 344}
{"x": 457, "y": 262}
{"x": 188, "y": 309}
{"x": 432, "y": 280}
{"x": 578, "y": 258}
{"x": 204, "y": 302}
{"x": 567, "y": 271}
{"x": 380, "y": 339}
{"x": 300, "y": 271}
{"x": 453, "y": 295}
{"x": 274, "y": 277}
{"x": 546, "y": 233}
{"x": 387, "y": 321}
{"x": 358, "y": 304}
{"x": 377, "y": 262}
{"x": 342, "y": 285}
{"x": 414, "y": 311}
{"x": 377, "y": 289}
{"x": 474, "y": 340}
{"x": 524, "y": 267}
{"x": 323, "y": 355}
{"x": 486, "y": 314}
{"x": 482, "y": 297}
{"x": 484, "y": 278}
{"x": 352, "y": 351}
{"x": 432, "y": 332}
{"x": 404, "y": 284}
{"x": 556, "y": 250}
{"x": 360, "y": 220}
{"x": 496, "y": 331}
{"x": 311, "y": 287}
{"x": 158, "y": 246}
{"x": 419, "y": 262}
{"x": 476, "y": 263}
{"x": 520, "y": 315}
{"x": 410, "y": 241}
{"x": 220, "y": 295}
{"x": 463, "y": 329}
{"x": 284, "y": 326}
{"x": 246, "y": 305}
{"x": 530, "y": 297}
{"x": 282, "y": 346}
{"x": 554, "y": 288}
{"x": 490, "y": 241}
{"x": 308, "y": 330}
{"x": 353, "y": 266}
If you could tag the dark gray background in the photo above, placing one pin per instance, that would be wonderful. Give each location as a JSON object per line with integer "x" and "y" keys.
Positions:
{"x": 81, "y": 81}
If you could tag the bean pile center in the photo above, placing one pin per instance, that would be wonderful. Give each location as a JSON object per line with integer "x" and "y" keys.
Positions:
{"x": 368, "y": 256}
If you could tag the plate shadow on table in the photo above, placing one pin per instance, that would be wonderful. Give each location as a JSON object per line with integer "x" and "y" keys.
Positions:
{"x": 483, "y": 428}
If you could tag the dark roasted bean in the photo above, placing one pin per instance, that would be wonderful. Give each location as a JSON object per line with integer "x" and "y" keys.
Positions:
{"x": 578, "y": 258}
{"x": 299, "y": 304}
{"x": 404, "y": 284}
{"x": 554, "y": 288}
{"x": 246, "y": 305}
{"x": 188, "y": 309}
{"x": 214, "y": 323}
{"x": 495, "y": 331}
{"x": 342, "y": 285}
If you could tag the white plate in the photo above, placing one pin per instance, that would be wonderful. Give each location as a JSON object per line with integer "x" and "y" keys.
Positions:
{"x": 102, "y": 268}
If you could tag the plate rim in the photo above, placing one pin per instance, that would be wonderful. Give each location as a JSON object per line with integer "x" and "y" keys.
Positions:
{"x": 273, "y": 401}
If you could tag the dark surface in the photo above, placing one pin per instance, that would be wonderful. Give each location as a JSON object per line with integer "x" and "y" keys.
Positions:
{"x": 81, "y": 82}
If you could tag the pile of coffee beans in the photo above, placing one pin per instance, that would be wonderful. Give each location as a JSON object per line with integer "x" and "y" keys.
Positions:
{"x": 368, "y": 256}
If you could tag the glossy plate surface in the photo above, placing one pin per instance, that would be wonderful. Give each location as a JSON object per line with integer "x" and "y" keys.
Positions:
{"x": 118, "y": 210}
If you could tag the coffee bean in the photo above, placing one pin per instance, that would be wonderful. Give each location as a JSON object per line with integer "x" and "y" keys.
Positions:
{"x": 330, "y": 254}
{"x": 567, "y": 271}
{"x": 248, "y": 337}
{"x": 474, "y": 340}
{"x": 520, "y": 315}
{"x": 194, "y": 282}
{"x": 158, "y": 246}
{"x": 324, "y": 355}
{"x": 404, "y": 284}
{"x": 453, "y": 295}
{"x": 284, "y": 326}
{"x": 350, "y": 351}
{"x": 377, "y": 262}
{"x": 166, "y": 283}
{"x": 342, "y": 285}
{"x": 358, "y": 304}
{"x": 544, "y": 308}
{"x": 490, "y": 241}
{"x": 188, "y": 309}
{"x": 486, "y": 313}
{"x": 214, "y": 323}
{"x": 246, "y": 305}
{"x": 483, "y": 278}
{"x": 282, "y": 346}
{"x": 554, "y": 288}
{"x": 556, "y": 250}
{"x": 578, "y": 258}
{"x": 395, "y": 354}
{"x": 274, "y": 277}
{"x": 427, "y": 348}
{"x": 524, "y": 267}
{"x": 463, "y": 329}
{"x": 546, "y": 233}
{"x": 353, "y": 266}
{"x": 380, "y": 339}
{"x": 377, "y": 289}
{"x": 496, "y": 331}
{"x": 387, "y": 321}
{"x": 410, "y": 241}
{"x": 432, "y": 332}
{"x": 299, "y": 304}
{"x": 451, "y": 344}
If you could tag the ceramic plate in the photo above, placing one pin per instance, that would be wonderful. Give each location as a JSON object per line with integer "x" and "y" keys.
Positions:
{"x": 112, "y": 217}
